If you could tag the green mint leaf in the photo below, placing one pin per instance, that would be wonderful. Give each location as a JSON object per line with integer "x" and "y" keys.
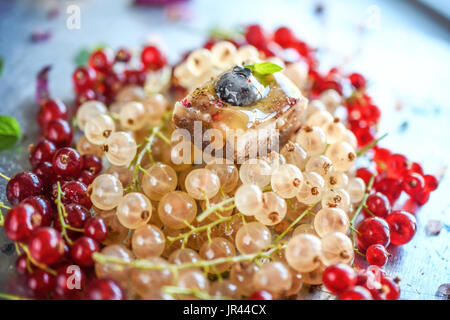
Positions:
{"x": 263, "y": 68}
{"x": 2, "y": 64}
{"x": 81, "y": 58}
{"x": 218, "y": 32}
{"x": 9, "y": 132}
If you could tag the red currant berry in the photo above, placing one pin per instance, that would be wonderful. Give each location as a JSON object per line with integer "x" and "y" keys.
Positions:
{"x": 339, "y": 278}
{"x": 255, "y": 36}
{"x": 390, "y": 288}
{"x": 51, "y": 110}
{"x": 422, "y": 197}
{"x": 396, "y": 166}
{"x": 95, "y": 228}
{"x": 261, "y": 295}
{"x": 123, "y": 55}
{"x": 152, "y": 58}
{"x": 377, "y": 255}
{"x": 135, "y": 77}
{"x": 86, "y": 177}
{"x": 82, "y": 250}
{"x": 284, "y": 37}
{"x": 22, "y": 264}
{"x": 83, "y": 78}
{"x": 104, "y": 289}
{"x": 67, "y": 162}
{"x": 101, "y": 60}
{"x": 42, "y": 206}
{"x": 357, "y": 80}
{"x": 301, "y": 48}
{"x": 59, "y": 132}
{"x": 357, "y": 293}
{"x": 431, "y": 183}
{"x": 46, "y": 245}
{"x": 76, "y": 192}
{"x": 20, "y": 221}
{"x": 85, "y": 95}
{"x": 417, "y": 168}
{"x": 76, "y": 217}
{"x": 365, "y": 174}
{"x": 378, "y": 205}
{"x": 43, "y": 151}
{"x": 391, "y": 188}
{"x": 402, "y": 225}
{"x": 373, "y": 231}
{"x": 44, "y": 171}
{"x": 23, "y": 185}
{"x": 413, "y": 183}
{"x": 69, "y": 282}
{"x": 92, "y": 163}
{"x": 40, "y": 282}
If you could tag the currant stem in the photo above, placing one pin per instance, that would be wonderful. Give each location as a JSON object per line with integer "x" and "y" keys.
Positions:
{"x": 7, "y": 296}
{"x": 37, "y": 264}
{"x": 361, "y": 205}
{"x": 216, "y": 207}
{"x": 359, "y": 252}
{"x": 2, "y": 205}
{"x": 300, "y": 217}
{"x": 145, "y": 264}
{"x": 173, "y": 291}
{"x": 61, "y": 214}
{"x": 4, "y": 177}
{"x": 370, "y": 145}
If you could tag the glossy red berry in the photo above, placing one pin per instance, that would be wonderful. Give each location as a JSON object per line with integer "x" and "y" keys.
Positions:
{"x": 396, "y": 166}
{"x": 357, "y": 80}
{"x": 152, "y": 58}
{"x": 373, "y": 231}
{"x": 377, "y": 255}
{"x": 413, "y": 183}
{"x": 40, "y": 282}
{"x": 390, "y": 187}
{"x": 101, "y": 60}
{"x": 378, "y": 205}
{"x": 59, "y": 132}
{"x": 339, "y": 278}
{"x": 431, "y": 183}
{"x": 46, "y": 245}
{"x": 416, "y": 167}
{"x": 261, "y": 295}
{"x": 365, "y": 174}
{"x": 44, "y": 171}
{"x": 82, "y": 250}
{"x": 43, "y": 151}
{"x": 77, "y": 216}
{"x": 51, "y": 110}
{"x": 256, "y": 36}
{"x": 284, "y": 37}
{"x": 23, "y": 185}
{"x": 123, "y": 55}
{"x": 76, "y": 192}
{"x": 22, "y": 264}
{"x": 95, "y": 228}
{"x": 86, "y": 177}
{"x": 402, "y": 225}
{"x": 70, "y": 280}
{"x": 92, "y": 163}
{"x": 67, "y": 162}
{"x": 104, "y": 289}
{"x": 357, "y": 293}
{"x": 390, "y": 288}
{"x": 42, "y": 206}
{"x": 85, "y": 95}
{"x": 83, "y": 78}
{"x": 20, "y": 221}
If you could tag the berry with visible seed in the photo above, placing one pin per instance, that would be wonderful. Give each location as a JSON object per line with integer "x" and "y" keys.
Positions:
{"x": 43, "y": 207}
{"x": 101, "y": 60}
{"x": 377, "y": 255}
{"x": 20, "y": 221}
{"x": 67, "y": 162}
{"x": 92, "y": 164}
{"x": 373, "y": 231}
{"x": 83, "y": 79}
{"x": 378, "y": 205}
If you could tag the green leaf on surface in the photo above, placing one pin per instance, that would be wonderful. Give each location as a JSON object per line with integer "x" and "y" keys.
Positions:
{"x": 9, "y": 132}
{"x": 2, "y": 64}
{"x": 82, "y": 57}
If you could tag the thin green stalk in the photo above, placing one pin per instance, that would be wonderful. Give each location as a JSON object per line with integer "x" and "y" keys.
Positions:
{"x": 370, "y": 145}
{"x": 61, "y": 215}
{"x": 7, "y": 296}
{"x": 4, "y": 177}
{"x": 217, "y": 207}
{"x": 361, "y": 205}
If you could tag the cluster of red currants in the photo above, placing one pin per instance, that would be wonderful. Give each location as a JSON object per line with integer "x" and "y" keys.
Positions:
{"x": 55, "y": 248}
{"x": 100, "y": 81}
